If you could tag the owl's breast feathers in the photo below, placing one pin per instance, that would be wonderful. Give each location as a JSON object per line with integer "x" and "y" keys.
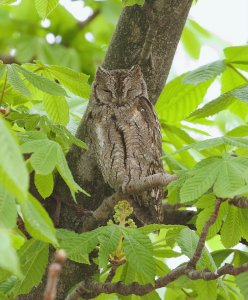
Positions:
{"x": 127, "y": 143}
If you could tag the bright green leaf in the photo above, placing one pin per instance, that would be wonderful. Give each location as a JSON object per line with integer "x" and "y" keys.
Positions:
{"x": 33, "y": 259}
{"x": 8, "y": 258}
{"x": 45, "y": 7}
{"x": 139, "y": 254}
{"x": 37, "y": 221}
{"x": 230, "y": 232}
{"x": 205, "y": 73}
{"x": 44, "y": 184}
{"x": 42, "y": 83}
{"x": 17, "y": 83}
{"x": 57, "y": 109}
{"x": 13, "y": 172}
{"x": 75, "y": 82}
{"x": 178, "y": 100}
{"x": 8, "y": 212}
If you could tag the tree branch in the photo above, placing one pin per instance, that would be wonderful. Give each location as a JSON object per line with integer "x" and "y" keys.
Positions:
{"x": 89, "y": 289}
{"x": 54, "y": 271}
{"x": 134, "y": 187}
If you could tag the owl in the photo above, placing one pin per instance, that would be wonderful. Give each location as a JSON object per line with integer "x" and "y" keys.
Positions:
{"x": 125, "y": 133}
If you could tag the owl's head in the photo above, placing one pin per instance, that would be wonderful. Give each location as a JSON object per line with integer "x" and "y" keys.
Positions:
{"x": 119, "y": 86}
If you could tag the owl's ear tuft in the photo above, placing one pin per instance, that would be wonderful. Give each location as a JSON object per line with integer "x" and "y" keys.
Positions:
{"x": 101, "y": 71}
{"x": 136, "y": 71}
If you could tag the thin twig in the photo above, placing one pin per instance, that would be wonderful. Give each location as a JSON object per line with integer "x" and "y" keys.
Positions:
{"x": 54, "y": 271}
{"x": 239, "y": 201}
{"x": 201, "y": 243}
{"x": 113, "y": 270}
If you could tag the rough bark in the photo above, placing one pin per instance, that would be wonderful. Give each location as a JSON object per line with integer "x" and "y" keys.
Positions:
{"x": 124, "y": 51}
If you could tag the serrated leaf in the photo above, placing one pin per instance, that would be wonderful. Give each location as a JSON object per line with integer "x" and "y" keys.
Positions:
{"x": 241, "y": 281}
{"x": 231, "y": 79}
{"x": 204, "y": 216}
{"x": 13, "y": 172}
{"x": 57, "y": 109}
{"x": 178, "y": 100}
{"x": 8, "y": 212}
{"x": 187, "y": 240}
{"x": 75, "y": 82}
{"x": 8, "y": 258}
{"x": 139, "y": 254}
{"x": 155, "y": 227}
{"x": 205, "y": 73}
{"x": 236, "y": 53}
{"x": 42, "y": 83}
{"x": 45, "y": 7}
{"x": 230, "y": 232}
{"x": 33, "y": 259}
{"x": 221, "y": 103}
{"x": 37, "y": 221}
{"x": 17, "y": 83}
{"x": 206, "y": 289}
{"x": 2, "y": 2}
{"x": 109, "y": 241}
{"x": 43, "y": 160}
{"x": 2, "y": 69}
{"x": 230, "y": 178}
{"x": 44, "y": 184}
{"x": 243, "y": 218}
{"x": 78, "y": 246}
{"x": 65, "y": 173}
{"x": 201, "y": 182}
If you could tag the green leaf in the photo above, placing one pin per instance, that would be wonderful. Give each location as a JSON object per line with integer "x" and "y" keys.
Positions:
{"x": 33, "y": 259}
{"x": 187, "y": 240}
{"x": 8, "y": 258}
{"x": 243, "y": 219}
{"x": 206, "y": 289}
{"x": 37, "y": 221}
{"x": 231, "y": 79}
{"x": 204, "y": 216}
{"x": 201, "y": 182}
{"x": 2, "y": 69}
{"x": 2, "y": 2}
{"x": 43, "y": 160}
{"x": 75, "y": 82}
{"x": 8, "y": 212}
{"x": 44, "y": 184}
{"x": 178, "y": 100}
{"x": 221, "y": 103}
{"x": 230, "y": 178}
{"x": 45, "y": 7}
{"x": 57, "y": 109}
{"x": 236, "y": 53}
{"x": 109, "y": 241}
{"x": 78, "y": 246}
{"x": 44, "y": 84}
{"x": 205, "y": 72}
{"x": 13, "y": 172}
{"x": 241, "y": 281}
{"x": 139, "y": 254}
{"x": 230, "y": 232}
{"x": 17, "y": 83}
{"x": 65, "y": 173}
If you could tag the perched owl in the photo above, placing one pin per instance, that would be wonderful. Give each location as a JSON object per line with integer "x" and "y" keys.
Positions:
{"x": 125, "y": 133}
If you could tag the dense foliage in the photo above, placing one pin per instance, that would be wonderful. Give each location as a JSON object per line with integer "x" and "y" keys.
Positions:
{"x": 44, "y": 90}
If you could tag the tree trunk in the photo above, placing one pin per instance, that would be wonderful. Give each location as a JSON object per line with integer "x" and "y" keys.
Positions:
{"x": 125, "y": 49}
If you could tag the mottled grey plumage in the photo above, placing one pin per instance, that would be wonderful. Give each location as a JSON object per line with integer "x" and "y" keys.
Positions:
{"x": 125, "y": 133}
